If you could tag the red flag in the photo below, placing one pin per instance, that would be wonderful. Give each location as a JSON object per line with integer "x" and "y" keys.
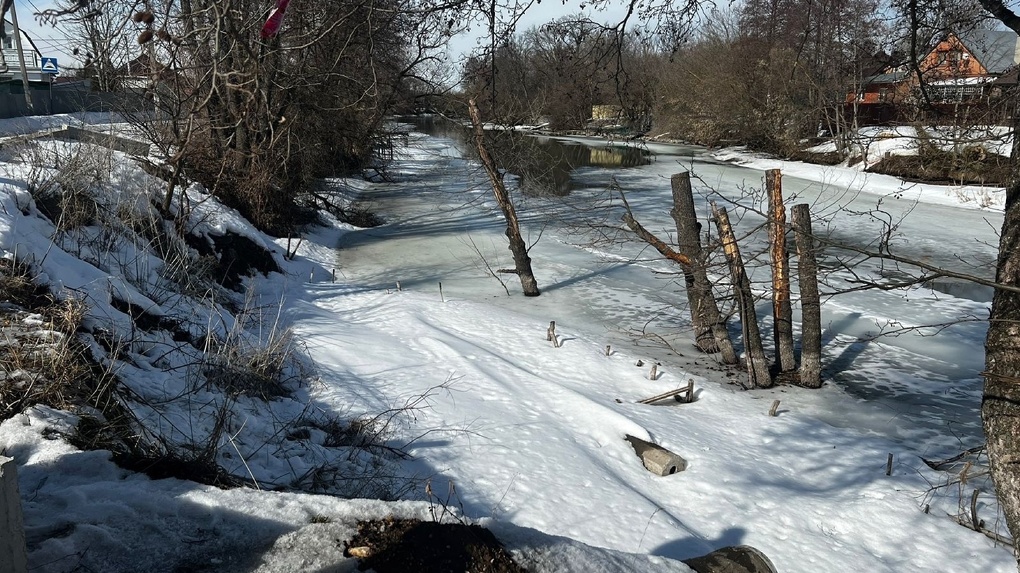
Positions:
{"x": 275, "y": 20}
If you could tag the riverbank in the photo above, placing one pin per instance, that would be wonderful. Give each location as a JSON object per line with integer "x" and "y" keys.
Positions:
{"x": 531, "y": 433}
{"x": 973, "y": 162}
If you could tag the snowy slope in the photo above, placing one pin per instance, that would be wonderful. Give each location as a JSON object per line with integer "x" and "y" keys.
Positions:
{"x": 503, "y": 427}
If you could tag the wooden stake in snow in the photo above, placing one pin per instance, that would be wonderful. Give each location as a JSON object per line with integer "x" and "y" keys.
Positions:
{"x": 334, "y": 276}
{"x": 782, "y": 312}
{"x": 688, "y": 392}
{"x": 13, "y": 555}
{"x": 550, "y": 334}
{"x": 609, "y": 350}
{"x": 398, "y": 286}
{"x": 774, "y": 410}
{"x": 810, "y": 302}
{"x": 888, "y": 465}
{"x": 654, "y": 372}
{"x": 441, "y": 297}
{"x": 757, "y": 366}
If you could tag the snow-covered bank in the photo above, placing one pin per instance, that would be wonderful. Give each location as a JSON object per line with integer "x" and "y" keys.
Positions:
{"x": 987, "y": 198}
{"x": 526, "y": 437}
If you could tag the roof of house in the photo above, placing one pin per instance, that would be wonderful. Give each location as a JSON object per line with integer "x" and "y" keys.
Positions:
{"x": 887, "y": 78}
{"x": 996, "y": 50}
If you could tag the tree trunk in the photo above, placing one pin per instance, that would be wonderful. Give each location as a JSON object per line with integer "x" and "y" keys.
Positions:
{"x": 1000, "y": 406}
{"x": 757, "y": 366}
{"x": 782, "y": 313}
{"x": 519, "y": 249}
{"x": 710, "y": 332}
{"x": 810, "y": 304}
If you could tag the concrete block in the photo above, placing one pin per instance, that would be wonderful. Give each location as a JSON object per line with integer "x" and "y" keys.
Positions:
{"x": 656, "y": 458}
{"x": 13, "y": 557}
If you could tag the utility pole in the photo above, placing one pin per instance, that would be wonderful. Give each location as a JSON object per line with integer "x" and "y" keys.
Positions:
{"x": 21, "y": 59}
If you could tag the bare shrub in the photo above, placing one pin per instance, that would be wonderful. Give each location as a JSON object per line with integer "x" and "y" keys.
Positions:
{"x": 17, "y": 286}
{"x": 41, "y": 362}
{"x": 66, "y": 192}
{"x": 241, "y": 363}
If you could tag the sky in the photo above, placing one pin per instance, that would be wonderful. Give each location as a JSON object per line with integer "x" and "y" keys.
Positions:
{"x": 51, "y": 41}
{"x": 503, "y": 427}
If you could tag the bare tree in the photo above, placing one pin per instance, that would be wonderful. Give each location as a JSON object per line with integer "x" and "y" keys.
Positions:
{"x": 519, "y": 249}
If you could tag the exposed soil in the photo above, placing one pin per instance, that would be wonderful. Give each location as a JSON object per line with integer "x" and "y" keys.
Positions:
{"x": 403, "y": 545}
{"x": 943, "y": 167}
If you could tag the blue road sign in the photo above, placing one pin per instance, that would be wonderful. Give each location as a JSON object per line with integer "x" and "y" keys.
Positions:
{"x": 49, "y": 66}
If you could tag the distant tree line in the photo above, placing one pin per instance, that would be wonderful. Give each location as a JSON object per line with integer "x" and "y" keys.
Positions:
{"x": 766, "y": 73}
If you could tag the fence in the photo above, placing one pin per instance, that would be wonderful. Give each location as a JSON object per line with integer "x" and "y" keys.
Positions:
{"x": 47, "y": 102}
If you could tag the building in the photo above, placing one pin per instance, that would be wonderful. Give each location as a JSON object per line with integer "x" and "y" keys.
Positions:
{"x": 10, "y": 66}
{"x": 960, "y": 74}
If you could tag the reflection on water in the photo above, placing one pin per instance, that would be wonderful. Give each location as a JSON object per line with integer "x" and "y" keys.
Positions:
{"x": 543, "y": 165}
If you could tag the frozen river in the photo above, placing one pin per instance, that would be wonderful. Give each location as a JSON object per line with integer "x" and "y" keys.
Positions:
{"x": 916, "y": 383}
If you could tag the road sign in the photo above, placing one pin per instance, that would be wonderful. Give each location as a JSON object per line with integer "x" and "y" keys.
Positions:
{"x": 49, "y": 66}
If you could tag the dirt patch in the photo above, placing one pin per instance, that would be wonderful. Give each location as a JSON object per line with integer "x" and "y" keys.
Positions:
{"x": 829, "y": 158}
{"x": 403, "y": 545}
{"x": 944, "y": 167}
{"x": 236, "y": 257}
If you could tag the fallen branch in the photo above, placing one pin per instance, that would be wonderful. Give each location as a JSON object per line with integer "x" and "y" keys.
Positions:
{"x": 966, "y": 522}
{"x": 939, "y": 465}
{"x": 687, "y": 391}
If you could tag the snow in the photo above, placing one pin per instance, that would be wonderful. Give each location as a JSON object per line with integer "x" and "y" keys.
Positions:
{"x": 504, "y": 428}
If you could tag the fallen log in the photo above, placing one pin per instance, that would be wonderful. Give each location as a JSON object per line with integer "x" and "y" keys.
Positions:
{"x": 685, "y": 394}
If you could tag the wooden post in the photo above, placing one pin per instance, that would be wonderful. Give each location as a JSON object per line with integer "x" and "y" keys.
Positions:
{"x": 710, "y": 332}
{"x": 782, "y": 313}
{"x": 550, "y": 334}
{"x": 774, "y": 410}
{"x": 757, "y": 366}
{"x": 810, "y": 303}
{"x": 689, "y": 392}
{"x": 13, "y": 556}
{"x": 519, "y": 249}
{"x": 653, "y": 374}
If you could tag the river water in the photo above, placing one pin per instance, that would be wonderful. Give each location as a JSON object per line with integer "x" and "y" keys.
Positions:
{"x": 908, "y": 360}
